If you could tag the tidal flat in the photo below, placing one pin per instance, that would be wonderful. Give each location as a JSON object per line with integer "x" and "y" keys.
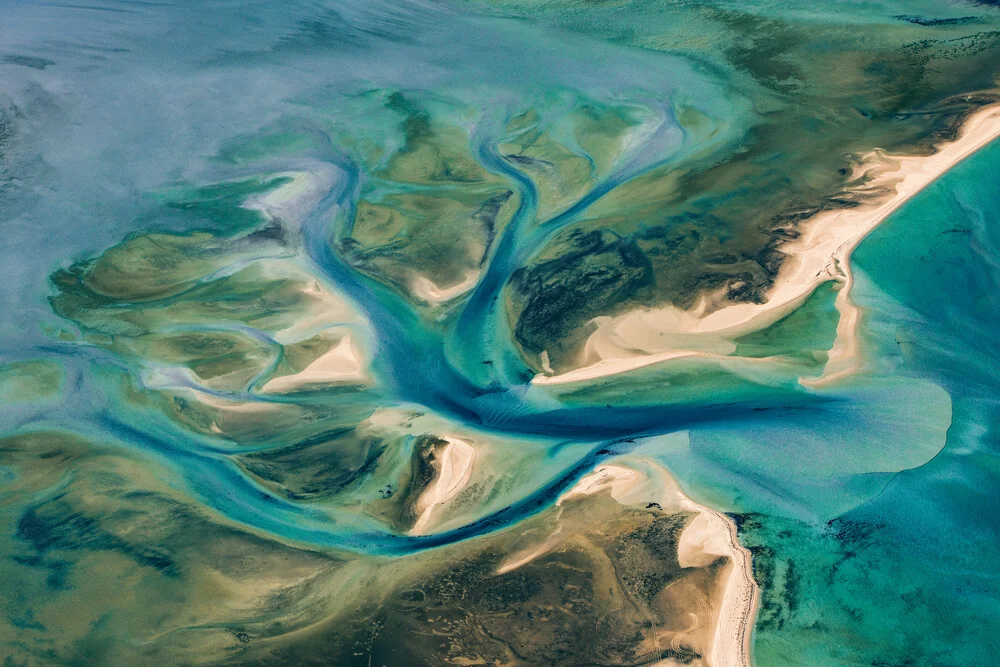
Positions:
{"x": 499, "y": 333}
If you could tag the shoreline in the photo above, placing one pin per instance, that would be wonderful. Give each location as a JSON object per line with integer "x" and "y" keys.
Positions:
{"x": 343, "y": 362}
{"x": 915, "y": 174}
{"x": 732, "y": 645}
{"x": 709, "y": 536}
{"x": 819, "y": 255}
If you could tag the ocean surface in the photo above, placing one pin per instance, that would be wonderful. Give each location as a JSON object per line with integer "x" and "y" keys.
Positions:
{"x": 198, "y": 198}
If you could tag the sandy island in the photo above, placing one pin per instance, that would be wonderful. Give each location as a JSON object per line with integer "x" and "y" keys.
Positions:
{"x": 453, "y": 473}
{"x": 709, "y": 536}
{"x": 820, "y": 254}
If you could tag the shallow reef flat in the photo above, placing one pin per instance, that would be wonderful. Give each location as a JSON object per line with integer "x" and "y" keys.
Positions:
{"x": 507, "y": 333}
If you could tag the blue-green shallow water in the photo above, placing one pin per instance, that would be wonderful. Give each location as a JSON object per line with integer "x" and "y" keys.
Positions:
{"x": 909, "y": 576}
{"x": 867, "y": 505}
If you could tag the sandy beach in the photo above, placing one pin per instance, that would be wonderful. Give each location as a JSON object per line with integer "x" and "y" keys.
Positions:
{"x": 711, "y": 535}
{"x": 820, "y": 254}
{"x": 454, "y": 472}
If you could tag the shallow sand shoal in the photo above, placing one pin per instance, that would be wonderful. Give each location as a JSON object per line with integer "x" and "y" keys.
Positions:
{"x": 710, "y": 535}
{"x": 425, "y": 289}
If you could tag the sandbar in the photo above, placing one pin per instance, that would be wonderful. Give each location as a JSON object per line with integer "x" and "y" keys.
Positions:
{"x": 456, "y": 461}
{"x": 425, "y": 289}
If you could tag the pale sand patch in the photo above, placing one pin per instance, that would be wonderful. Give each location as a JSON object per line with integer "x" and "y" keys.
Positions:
{"x": 904, "y": 177}
{"x": 711, "y": 535}
{"x": 289, "y": 202}
{"x": 455, "y": 470}
{"x": 324, "y": 307}
{"x": 612, "y": 366}
{"x": 183, "y": 381}
{"x": 622, "y": 482}
{"x": 626, "y": 485}
{"x": 745, "y": 366}
{"x": 234, "y": 407}
{"x": 426, "y": 290}
{"x": 341, "y": 363}
{"x": 820, "y": 254}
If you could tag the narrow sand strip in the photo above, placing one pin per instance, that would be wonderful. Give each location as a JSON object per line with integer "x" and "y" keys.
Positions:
{"x": 907, "y": 176}
{"x": 820, "y": 254}
{"x": 710, "y": 535}
{"x": 457, "y": 459}
{"x": 612, "y": 366}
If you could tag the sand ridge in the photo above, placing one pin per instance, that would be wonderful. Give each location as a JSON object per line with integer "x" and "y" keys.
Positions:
{"x": 425, "y": 289}
{"x": 341, "y": 363}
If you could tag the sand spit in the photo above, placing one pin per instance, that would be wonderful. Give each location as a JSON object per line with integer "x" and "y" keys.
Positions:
{"x": 904, "y": 177}
{"x": 709, "y": 536}
{"x": 454, "y": 472}
{"x": 820, "y": 254}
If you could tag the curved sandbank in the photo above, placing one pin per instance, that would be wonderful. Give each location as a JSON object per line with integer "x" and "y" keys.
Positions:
{"x": 341, "y": 363}
{"x": 709, "y": 536}
{"x": 453, "y": 473}
{"x": 820, "y": 254}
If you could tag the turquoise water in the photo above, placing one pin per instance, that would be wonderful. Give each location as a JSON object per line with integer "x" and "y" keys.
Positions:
{"x": 580, "y": 162}
{"x": 881, "y": 567}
